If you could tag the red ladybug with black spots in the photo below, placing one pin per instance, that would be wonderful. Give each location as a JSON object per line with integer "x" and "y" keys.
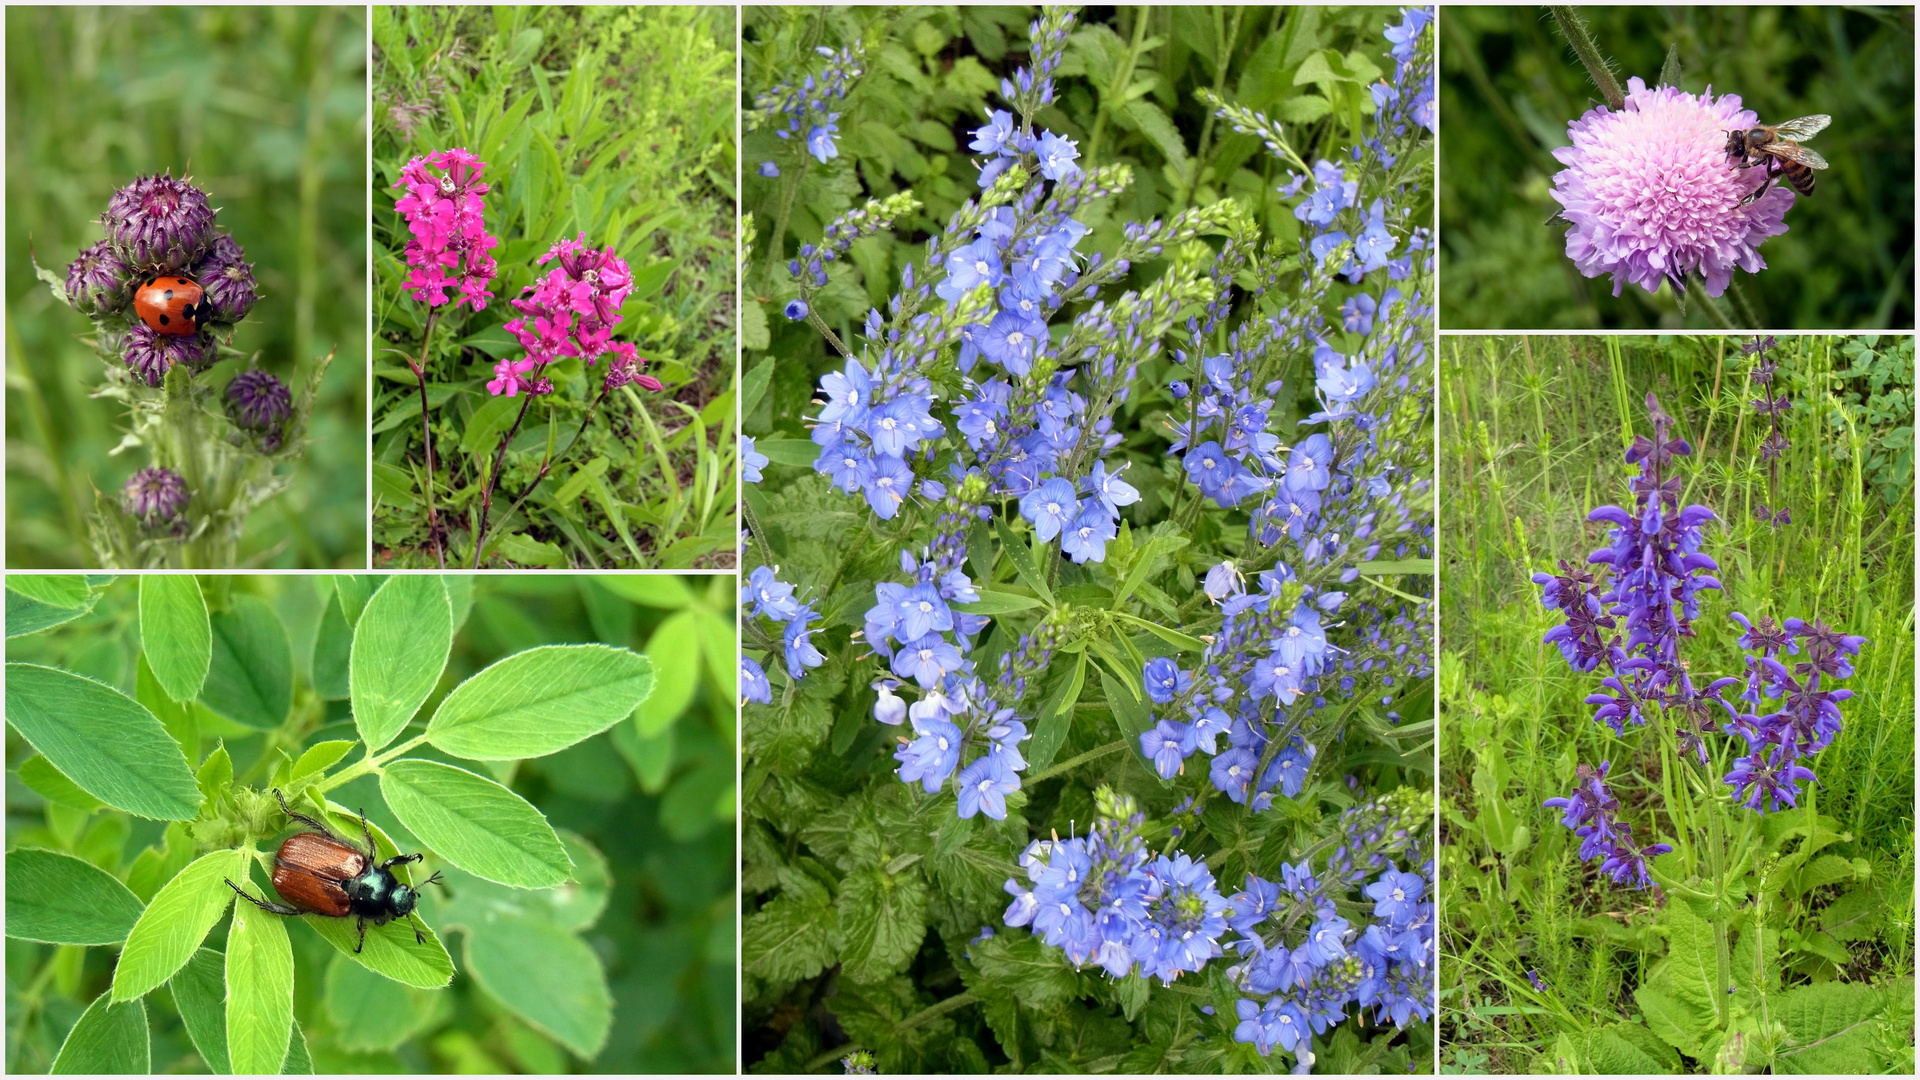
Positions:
{"x": 172, "y": 304}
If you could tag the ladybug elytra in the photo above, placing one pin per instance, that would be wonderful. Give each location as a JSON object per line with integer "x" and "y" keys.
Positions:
{"x": 171, "y": 304}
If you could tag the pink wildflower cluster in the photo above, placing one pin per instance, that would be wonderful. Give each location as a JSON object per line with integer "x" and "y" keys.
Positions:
{"x": 450, "y": 240}
{"x": 572, "y": 311}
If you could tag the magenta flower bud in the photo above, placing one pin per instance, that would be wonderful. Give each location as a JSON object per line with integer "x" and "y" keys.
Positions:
{"x": 259, "y": 402}
{"x": 149, "y": 354}
{"x": 98, "y": 282}
{"x": 227, "y": 279}
{"x": 159, "y": 223}
{"x": 156, "y": 496}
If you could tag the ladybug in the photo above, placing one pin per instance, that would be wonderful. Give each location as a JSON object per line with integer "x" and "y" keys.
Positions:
{"x": 321, "y": 874}
{"x": 172, "y": 304}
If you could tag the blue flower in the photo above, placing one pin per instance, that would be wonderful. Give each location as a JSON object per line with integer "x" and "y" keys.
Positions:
{"x": 889, "y": 710}
{"x": 968, "y": 268}
{"x": 1232, "y": 772}
{"x": 769, "y": 596}
{"x": 753, "y": 681}
{"x": 926, "y": 660}
{"x": 768, "y": 168}
{"x": 1087, "y": 537}
{"x": 997, "y": 135}
{"x": 1109, "y": 488}
{"x": 1051, "y": 507}
{"x": 1221, "y": 582}
{"x": 1344, "y": 385}
{"x": 751, "y": 460}
{"x": 1309, "y": 466}
{"x": 984, "y": 787}
{"x": 1011, "y": 341}
{"x": 849, "y": 394}
{"x": 1167, "y": 744}
{"x": 1056, "y": 155}
{"x": 848, "y": 466}
{"x": 1396, "y": 895}
{"x": 1288, "y": 770}
{"x": 1209, "y": 467}
{"x": 1326, "y": 941}
{"x": 1356, "y": 315}
{"x": 795, "y": 310}
{"x": 932, "y": 757}
{"x": 888, "y": 486}
{"x": 922, "y": 612}
{"x": 1209, "y": 725}
{"x": 801, "y": 654}
{"x": 820, "y": 139}
{"x": 1375, "y": 244}
{"x": 1164, "y": 680}
{"x": 979, "y": 420}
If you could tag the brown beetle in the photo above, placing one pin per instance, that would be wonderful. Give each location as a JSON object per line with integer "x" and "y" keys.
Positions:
{"x": 320, "y": 874}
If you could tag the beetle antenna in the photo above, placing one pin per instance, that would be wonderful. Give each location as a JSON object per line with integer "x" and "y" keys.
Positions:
{"x": 430, "y": 880}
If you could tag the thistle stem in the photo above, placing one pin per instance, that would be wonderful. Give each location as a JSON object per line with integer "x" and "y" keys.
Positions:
{"x": 1574, "y": 29}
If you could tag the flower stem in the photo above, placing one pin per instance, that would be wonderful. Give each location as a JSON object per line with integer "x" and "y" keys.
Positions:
{"x": 426, "y": 438}
{"x": 545, "y": 468}
{"x": 493, "y": 475}
{"x": 1081, "y": 759}
{"x": 1575, "y": 31}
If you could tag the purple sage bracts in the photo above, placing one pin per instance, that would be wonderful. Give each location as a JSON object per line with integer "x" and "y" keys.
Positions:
{"x": 258, "y": 401}
{"x": 159, "y": 223}
{"x": 151, "y": 355}
{"x": 228, "y": 280}
{"x": 97, "y": 281}
{"x": 156, "y": 496}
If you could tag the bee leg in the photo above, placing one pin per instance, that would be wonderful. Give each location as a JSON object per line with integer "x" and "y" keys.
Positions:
{"x": 277, "y": 909}
{"x": 1770, "y": 175}
{"x": 358, "y": 945}
{"x": 300, "y": 817}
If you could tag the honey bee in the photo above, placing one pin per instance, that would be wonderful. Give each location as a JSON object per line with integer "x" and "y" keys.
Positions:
{"x": 1776, "y": 148}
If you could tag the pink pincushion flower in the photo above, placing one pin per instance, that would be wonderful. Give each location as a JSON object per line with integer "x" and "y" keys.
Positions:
{"x": 447, "y": 216}
{"x": 1653, "y": 195}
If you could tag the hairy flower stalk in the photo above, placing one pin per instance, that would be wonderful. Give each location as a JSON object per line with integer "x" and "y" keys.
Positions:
{"x": 165, "y": 289}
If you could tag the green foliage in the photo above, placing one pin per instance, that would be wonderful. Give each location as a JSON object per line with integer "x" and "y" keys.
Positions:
{"x": 1509, "y": 85}
{"x": 267, "y": 109}
{"x": 551, "y": 974}
{"x": 1878, "y": 397}
{"x": 1818, "y": 916}
{"x": 608, "y": 122}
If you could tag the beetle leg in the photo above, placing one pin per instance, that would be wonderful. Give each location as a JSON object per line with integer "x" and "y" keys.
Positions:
{"x": 373, "y": 852}
{"x": 277, "y": 909}
{"x": 418, "y": 937}
{"x": 401, "y": 860}
{"x": 300, "y": 817}
{"x": 363, "y": 935}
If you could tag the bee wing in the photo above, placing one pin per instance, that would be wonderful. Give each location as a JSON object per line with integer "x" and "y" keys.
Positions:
{"x": 1806, "y": 127}
{"x": 1795, "y": 152}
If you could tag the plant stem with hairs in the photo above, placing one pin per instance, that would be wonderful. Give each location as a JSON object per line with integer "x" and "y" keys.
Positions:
{"x": 426, "y": 437}
{"x": 546, "y": 467}
{"x": 1575, "y": 31}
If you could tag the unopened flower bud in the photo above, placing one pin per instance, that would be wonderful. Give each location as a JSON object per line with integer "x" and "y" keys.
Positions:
{"x": 259, "y": 402}
{"x": 97, "y": 281}
{"x": 159, "y": 223}
{"x": 227, "y": 280}
{"x": 149, "y": 354}
{"x": 156, "y": 496}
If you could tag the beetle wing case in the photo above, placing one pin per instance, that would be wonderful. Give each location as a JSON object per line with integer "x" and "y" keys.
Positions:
{"x": 309, "y": 870}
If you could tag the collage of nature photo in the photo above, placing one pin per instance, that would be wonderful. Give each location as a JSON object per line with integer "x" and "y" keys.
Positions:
{"x": 939, "y": 539}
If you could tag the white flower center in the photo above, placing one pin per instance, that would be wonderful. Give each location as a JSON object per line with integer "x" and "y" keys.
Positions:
{"x": 1399, "y": 895}
{"x": 981, "y": 268}
{"x": 925, "y": 607}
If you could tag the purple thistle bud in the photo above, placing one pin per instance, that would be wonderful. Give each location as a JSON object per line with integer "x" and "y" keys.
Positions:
{"x": 156, "y": 496}
{"x": 259, "y": 402}
{"x": 97, "y": 281}
{"x": 149, "y": 354}
{"x": 227, "y": 279}
{"x": 159, "y": 223}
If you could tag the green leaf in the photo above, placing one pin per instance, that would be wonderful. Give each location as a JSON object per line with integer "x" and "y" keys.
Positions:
{"x": 475, "y": 824}
{"x": 56, "y": 898}
{"x": 353, "y": 590}
{"x": 546, "y": 976}
{"x": 487, "y": 422}
{"x": 665, "y": 591}
{"x": 177, "y": 921}
{"x": 103, "y": 740}
{"x": 1628, "y": 1048}
{"x": 1155, "y": 125}
{"x": 68, "y": 591}
{"x": 882, "y": 918}
{"x": 251, "y": 678}
{"x": 674, "y": 651}
{"x": 200, "y": 993}
{"x": 299, "y": 1058}
{"x": 1127, "y": 710}
{"x": 332, "y": 654}
{"x": 216, "y": 773}
{"x": 791, "y": 937}
{"x": 109, "y": 1038}
{"x": 1830, "y": 1028}
{"x": 540, "y": 701}
{"x": 1036, "y": 975}
{"x": 1692, "y": 968}
{"x": 800, "y": 453}
{"x": 259, "y": 990}
{"x": 1677, "y": 1023}
{"x": 52, "y": 785}
{"x": 1389, "y": 567}
{"x": 175, "y": 633}
{"x": 27, "y": 616}
{"x": 998, "y": 603}
{"x": 371, "y": 1013}
{"x": 1183, "y": 642}
{"x": 1056, "y": 716}
{"x": 322, "y": 756}
{"x": 1853, "y": 917}
{"x": 1022, "y": 559}
{"x": 400, "y": 647}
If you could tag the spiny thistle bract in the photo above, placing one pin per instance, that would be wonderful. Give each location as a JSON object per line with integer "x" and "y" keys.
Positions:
{"x": 165, "y": 289}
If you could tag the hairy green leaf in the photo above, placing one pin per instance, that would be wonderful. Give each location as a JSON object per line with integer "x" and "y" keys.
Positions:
{"x": 109, "y": 1038}
{"x": 177, "y": 921}
{"x": 546, "y": 976}
{"x": 104, "y": 741}
{"x": 251, "y": 677}
{"x": 537, "y": 702}
{"x": 400, "y": 647}
{"x": 54, "y": 897}
{"x": 200, "y": 993}
{"x": 475, "y": 824}
{"x": 259, "y": 990}
{"x": 175, "y": 633}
